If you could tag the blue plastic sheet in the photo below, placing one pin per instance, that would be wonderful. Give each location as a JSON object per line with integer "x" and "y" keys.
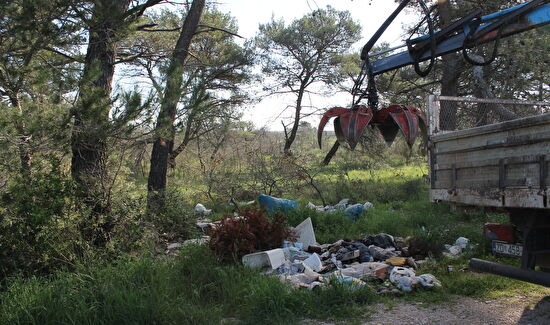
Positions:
{"x": 272, "y": 204}
{"x": 354, "y": 211}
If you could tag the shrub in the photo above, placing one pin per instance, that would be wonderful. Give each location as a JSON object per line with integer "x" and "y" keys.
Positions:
{"x": 176, "y": 217}
{"x": 37, "y": 231}
{"x": 252, "y": 231}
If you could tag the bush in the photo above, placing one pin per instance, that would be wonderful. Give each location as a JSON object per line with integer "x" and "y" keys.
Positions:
{"x": 176, "y": 217}
{"x": 235, "y": 237}
{"x": 37, "y": 231}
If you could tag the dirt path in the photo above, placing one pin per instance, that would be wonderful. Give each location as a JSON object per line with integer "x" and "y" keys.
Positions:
{"x": 533, "y": 309}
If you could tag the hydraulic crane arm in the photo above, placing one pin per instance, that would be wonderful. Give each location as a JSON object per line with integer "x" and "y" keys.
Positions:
{"x": 463, "y": 34}
{"x": 466, "y": 33}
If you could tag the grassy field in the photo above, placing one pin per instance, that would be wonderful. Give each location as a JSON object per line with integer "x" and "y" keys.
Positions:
{"x": 195, "y": 288}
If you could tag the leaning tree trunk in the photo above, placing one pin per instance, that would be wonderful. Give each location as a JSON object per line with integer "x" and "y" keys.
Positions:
{"x": 297, "y": 114}
{"x": 331, "y": 153}
{"x": 484, "y": 91}
{"x": 91, "y": 114}
{"x": 164, "y": 129}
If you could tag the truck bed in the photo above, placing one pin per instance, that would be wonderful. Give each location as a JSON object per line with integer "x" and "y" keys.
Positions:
{"x": 498, "y": 165}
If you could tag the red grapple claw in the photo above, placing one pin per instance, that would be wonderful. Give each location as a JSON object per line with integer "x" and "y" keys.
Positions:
{"x": 394, "y": 118}
{"x": 349, "y": 125}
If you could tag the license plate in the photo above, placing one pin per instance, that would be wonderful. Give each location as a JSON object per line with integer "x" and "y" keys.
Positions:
{"x": 507, "y": 249}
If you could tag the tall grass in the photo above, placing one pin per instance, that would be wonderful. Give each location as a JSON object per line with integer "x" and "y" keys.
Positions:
{"x": 191, "y": 289}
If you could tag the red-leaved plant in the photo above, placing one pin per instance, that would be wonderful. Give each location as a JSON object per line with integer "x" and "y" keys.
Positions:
{"x": 233, "y": 237}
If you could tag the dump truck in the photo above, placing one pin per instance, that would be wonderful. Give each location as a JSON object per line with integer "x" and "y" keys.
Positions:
{"x": 476, "y": 159}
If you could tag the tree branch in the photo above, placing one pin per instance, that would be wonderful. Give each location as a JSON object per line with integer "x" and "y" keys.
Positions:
{"x": 138, "y": 10}
{"x": 72, "y": 58}
{"x": 212, "y": 28}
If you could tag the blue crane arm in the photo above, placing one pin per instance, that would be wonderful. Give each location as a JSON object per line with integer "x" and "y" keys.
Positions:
{"x": 483, "y": 30}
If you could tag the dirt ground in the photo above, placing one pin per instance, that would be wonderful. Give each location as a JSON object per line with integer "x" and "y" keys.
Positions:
{"x": 533, "y": 309}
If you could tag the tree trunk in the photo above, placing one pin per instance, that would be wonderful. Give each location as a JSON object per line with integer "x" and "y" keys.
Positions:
{"x": 292, "y": 136}
{"x": 91, "y": 114}
{"x": 165, "y": 130}
{"x": 23, "y": 141}
{"x": 450, "y": 73}
{"x": 484, "y": 91}
{"x": 331, "y": 153}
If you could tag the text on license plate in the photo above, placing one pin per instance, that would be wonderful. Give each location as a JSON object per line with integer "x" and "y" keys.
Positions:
{"x": 507, "y": 249}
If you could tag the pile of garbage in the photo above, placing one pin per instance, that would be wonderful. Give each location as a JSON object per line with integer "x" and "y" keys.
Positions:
{"x": 379, "y": 261}
{"x": 375, "y": 260}
{"x": 352, "y": 211}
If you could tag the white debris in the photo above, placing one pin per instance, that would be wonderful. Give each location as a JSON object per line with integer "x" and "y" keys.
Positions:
{"x": 455, "y": 250}
{"x": 271, "y": 258}
{"x": 367, "y": 205}
{"x": 202, "y": 210}
{"x": 199, "y": 208}
{"x": 403, "y": 278}
{"x": 313, "y": 262}
{"x": 462, "y": 242}
{"x": 428, "y": 280}
{"x": 305, "y": 234}
{"x": 174, "y": 246}
{"x": 405, "y": 284}
{"x": 197, "y": 241}
{"x": 342, "y": 204}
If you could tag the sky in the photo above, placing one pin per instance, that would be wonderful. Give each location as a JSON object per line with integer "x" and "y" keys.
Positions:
{"x": 250, "y": 13}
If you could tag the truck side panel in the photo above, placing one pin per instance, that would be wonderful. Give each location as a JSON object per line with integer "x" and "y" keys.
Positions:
{"x": 499, "y": 165}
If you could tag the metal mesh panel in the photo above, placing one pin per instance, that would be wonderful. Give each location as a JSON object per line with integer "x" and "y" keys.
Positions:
{"x": 458, "y": 113}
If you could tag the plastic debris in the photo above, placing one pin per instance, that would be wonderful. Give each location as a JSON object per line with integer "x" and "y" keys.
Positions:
{"x": 202, "y": 210}
{"x": 364, "y": 270}
{"x": 197, "y": 241}
{"x": 314, "y": 262}
{"x": 306, "y": 264}
{"x": 380, "y": 254}
{"x": 311, "y": 206}
{"x": 454, "y": 251}
{"x": 342, "y": 204}
{"x": 397, "y": 261}
{"x": 271, "y": 259}
{"x": 354, "y": 211}
{"x": 273, "y": 204}
{"x": 367, "y": 205}
{"x": 462, "y": 242}
{"x": 174, "y": 246}
{"x": 351, "y": 211}
{"x": 403, "y": 278}
{"x": 405, "y": 284}
{"x": 428, "y": 280}
{"x": 380, "y": 240}
{"x": 305, "y": 234}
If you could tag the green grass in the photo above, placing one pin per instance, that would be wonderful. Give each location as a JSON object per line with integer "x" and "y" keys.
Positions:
{"x": 191, "y": 289}
{"x": 195, "y": 288}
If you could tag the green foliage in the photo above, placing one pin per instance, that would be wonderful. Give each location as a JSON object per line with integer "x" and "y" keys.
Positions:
{"x": 313, "y": 43}
{"x": 176, "y": 217}
{"x": 37, "y": 231}
{"x": 38, "y": 200}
